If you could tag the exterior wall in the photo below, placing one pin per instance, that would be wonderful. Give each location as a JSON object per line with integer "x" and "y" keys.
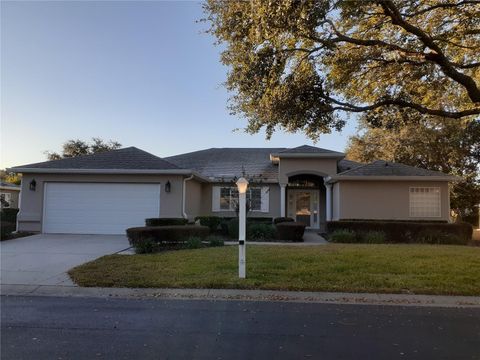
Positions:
{"x": 295, "y": 166}
{"x": 193, "y": 199}
{"x": 273, "y": 207}
{"x": 387, "y": 200}
{"x": 31, "y": 207}
{"x": 14, "y": 197}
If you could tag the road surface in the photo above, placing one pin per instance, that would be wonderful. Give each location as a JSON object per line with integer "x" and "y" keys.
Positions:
{"x": 96, "y": 328}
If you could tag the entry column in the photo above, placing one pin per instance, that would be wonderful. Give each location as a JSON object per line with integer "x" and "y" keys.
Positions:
{"x": 328, "y": 204}
{"x": 282, "y": 199}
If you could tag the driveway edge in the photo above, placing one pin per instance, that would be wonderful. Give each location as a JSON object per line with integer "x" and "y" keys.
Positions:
{"x": 244, "y": 295}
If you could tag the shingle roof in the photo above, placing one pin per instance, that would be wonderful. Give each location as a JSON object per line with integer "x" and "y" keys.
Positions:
{"x": 307, "y": 149}
{"x": 229, "y": 162}
{"x": 129, "y": 158}
{"x": 344, "y": 165}
{"x": 387, "y": 168}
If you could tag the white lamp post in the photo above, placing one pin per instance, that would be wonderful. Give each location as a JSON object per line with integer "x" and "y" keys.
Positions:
{"x": 242, "y": 185}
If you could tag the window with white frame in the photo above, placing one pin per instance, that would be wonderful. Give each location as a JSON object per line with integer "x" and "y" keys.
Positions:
{"x": 425, "y": 202}
{"x": 225, "y": 198}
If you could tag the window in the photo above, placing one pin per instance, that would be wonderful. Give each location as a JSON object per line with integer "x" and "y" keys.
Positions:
{"x": 226, "y": 198}
{"x": 5, "y": 199}
{"x": 425, "y": 202}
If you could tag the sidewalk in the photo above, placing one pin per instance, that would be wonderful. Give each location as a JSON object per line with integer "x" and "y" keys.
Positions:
{"x": 244, "y": 295}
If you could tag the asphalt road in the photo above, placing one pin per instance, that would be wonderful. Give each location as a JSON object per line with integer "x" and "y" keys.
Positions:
{"x": 92, "y": 328}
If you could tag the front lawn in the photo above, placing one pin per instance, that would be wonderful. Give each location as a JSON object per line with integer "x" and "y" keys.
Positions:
{"x": 419, "y": 269}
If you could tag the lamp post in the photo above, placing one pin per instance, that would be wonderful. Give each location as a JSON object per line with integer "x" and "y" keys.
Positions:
{"x": 242, "y": 185}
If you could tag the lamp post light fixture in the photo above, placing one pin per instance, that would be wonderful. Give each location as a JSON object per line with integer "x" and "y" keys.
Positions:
{"x": 242, "y": 185}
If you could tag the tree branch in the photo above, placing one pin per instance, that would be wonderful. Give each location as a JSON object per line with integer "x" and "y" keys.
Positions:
{"x": 437, "y": 55}
{"x": 343, "y": 106}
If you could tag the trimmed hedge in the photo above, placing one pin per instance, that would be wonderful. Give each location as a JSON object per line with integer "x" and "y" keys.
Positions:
{"x": 292, "y": 231}
{"x": 279, "y": 220}
{"x": 165, "y": 234}
{"x": 6, "y": 229}
{"x": 165, "y": 221}
{"x": 408, "y": 232}
{"x": 9, "y": 215}
{"x": 260, "y": 220}
{"x": 260, "y": 232}
{"x": 213, "y": 222}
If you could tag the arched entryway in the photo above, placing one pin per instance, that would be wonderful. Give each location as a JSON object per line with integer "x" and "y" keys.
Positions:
{"x": 305, "y": 200}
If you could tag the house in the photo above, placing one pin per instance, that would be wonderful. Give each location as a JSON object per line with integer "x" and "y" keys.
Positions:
{"x": 9, "y": 195}
{"x": 106, "y": 193}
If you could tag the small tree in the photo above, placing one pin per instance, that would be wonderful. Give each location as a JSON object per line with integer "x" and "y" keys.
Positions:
{"x": 76, "y": 147}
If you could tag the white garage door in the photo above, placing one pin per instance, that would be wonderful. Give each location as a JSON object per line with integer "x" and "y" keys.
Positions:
{"x": 98, "y": 208}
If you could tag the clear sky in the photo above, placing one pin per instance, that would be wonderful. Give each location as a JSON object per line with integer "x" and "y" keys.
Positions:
{"x": 141, "y": 73}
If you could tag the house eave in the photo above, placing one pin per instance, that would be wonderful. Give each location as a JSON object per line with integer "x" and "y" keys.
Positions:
{"x": 448, "y": 178}
{"x": 275, "y": 157}
{"x": 184, "y": 172}
{"x": 9, "y": 188}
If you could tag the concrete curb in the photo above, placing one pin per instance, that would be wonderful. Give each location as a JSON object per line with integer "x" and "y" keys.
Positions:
{"x": 244, "y": 295}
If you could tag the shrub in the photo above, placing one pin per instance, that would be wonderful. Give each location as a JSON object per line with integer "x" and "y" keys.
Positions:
{"x": 279, "y": 220}
{"x": 211, "y": 221}
{"x": 260, "y": 232}
{"x": 145, "y": 246}
{"x": 292, "y": 231}
{"x": 6, "y": 229}
{"x": 165, "y": 221}
{"x": 193, "y": 242}
{"x": 405, "y": 231}
{"x": 373, "y": 237}
{"x": 166, "y": 234}
{"x": 214, "y": 241}
{"x": 343, "y": 236}
{"x": 260, "y": 220}
{"x": 433, "y": 236}
{"x": 233, "y": 228}
{"x": 9, "y": 215}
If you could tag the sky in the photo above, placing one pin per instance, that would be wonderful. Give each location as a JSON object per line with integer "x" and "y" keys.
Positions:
{"x": 141, "y": 73}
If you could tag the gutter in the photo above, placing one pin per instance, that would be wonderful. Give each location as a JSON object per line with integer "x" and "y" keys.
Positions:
{"x": 109, "y": 171}
{"x": 184, "y": 192}
{"x": 333, "y": 179}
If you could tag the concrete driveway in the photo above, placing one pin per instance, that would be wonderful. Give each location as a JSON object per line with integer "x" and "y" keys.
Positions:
{"x": 44, "y": 259}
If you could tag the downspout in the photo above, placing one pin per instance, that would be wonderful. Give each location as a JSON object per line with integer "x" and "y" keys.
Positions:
{"x": 184, "y": 195}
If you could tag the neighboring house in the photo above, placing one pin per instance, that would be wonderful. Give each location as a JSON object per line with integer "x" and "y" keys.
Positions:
{"x": 107, "y": 192}
{"x": 9, "y": 195}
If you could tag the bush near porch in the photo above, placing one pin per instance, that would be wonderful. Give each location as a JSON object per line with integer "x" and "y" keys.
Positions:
{"x": 400, "y": 232}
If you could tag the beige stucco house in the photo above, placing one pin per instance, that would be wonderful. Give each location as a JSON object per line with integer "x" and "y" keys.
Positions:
{"x": 108, "y": 192}
{"x": 9, "y": 195}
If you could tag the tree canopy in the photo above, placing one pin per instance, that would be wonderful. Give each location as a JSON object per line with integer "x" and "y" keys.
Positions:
{"x": 299, "y": 64}
{"x": 76, "y": 147}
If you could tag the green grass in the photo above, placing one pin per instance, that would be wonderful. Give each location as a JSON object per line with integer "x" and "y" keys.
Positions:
{"x": 419, "y": 269}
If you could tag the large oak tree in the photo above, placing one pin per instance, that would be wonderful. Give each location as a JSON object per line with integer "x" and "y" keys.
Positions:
{"x": 299, "y": 64}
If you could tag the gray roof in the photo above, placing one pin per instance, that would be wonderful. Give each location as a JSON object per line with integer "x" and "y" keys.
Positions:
{"x": 129, "y": 158}
{"x": 387, "y": 168}
{"x": 344, "y": 165}
{"x": 229, "y": 162}
{"x": 307, "y": 149}
{"x": 7, "y": 184}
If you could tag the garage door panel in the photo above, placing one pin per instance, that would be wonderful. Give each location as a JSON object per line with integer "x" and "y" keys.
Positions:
{"x": 94, "y": 208}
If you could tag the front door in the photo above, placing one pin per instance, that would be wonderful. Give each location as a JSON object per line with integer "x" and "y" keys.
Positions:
{"x": 303, "y": 206}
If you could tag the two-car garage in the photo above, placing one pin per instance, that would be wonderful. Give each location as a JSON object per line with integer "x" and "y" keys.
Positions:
{"x": 98, "y": 208}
